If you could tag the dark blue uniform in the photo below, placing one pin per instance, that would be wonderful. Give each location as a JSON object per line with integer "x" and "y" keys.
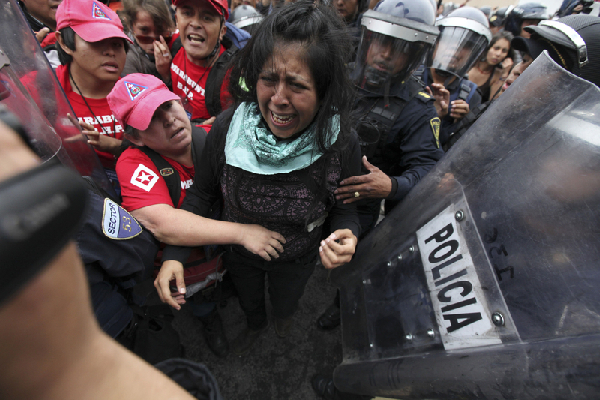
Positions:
{"x": 473, "y": 98}
{"x": 411, "y": 147}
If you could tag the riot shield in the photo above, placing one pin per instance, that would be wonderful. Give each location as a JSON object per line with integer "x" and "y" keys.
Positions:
{"x": 29, "y": 89}
{"x": 484, "y": 282}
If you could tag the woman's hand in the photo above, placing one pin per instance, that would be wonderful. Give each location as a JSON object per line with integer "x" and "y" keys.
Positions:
{"x": 170, "y": 270}
{"x": 96, "y": 139}
{"x": 261, "y": 241}
{"x": 338, "y": 248}
{"x": 162, "y": 58}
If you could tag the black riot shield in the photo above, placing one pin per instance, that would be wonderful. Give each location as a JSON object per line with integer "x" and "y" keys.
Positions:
{"x": 484, "y": 282}
{"x": 30, "y": 91}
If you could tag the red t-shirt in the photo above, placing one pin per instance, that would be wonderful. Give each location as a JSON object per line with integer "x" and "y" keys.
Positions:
{"x": 141, "y": 183}
{"x": 189, "y": 81}
{"x": 106, "y": 124}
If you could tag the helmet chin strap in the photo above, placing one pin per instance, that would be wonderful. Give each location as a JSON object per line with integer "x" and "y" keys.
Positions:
{"x": 216, "y": 49}
{"x": 213, "y": 52}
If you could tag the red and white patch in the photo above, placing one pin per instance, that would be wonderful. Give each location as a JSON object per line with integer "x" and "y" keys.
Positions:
{"x": 98, "y": 13}
{"x": 144, "y": 178}
{"x": 134, "y": 89}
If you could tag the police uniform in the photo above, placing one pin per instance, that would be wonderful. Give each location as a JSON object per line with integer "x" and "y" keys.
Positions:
{"x": 469, "y": 93}
{"x": 411, "y": 147}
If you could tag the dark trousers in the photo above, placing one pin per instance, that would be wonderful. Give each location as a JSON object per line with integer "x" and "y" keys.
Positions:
{"x": 286, "y": 285}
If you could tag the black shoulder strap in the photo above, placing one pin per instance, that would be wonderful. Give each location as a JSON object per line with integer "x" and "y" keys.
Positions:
{"x": 214, "y": 81}
{"x": 169, "y": 174}
{"x": 176, "y": 47}
{"x": 198, "y": 141}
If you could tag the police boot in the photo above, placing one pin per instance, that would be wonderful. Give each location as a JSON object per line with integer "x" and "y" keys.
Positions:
{"x": 214, "y": 334}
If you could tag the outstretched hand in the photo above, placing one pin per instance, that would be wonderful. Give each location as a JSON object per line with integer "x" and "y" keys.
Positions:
{"x": 171, "y": 270}
{"x": 441, "y": 96}
{"x": 96, "y": 139}
{"x": 375, "y": 184}
{"x": 338, "y": 248}
{"x": 261, "y": 241}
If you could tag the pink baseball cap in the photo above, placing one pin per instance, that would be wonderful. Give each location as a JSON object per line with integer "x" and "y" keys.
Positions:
{"x": 135, "y": 98}
{"x": 91, "y": 20}
{"x": 220, "y": 5}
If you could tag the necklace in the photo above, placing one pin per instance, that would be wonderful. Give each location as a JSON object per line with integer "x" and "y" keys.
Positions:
{"x": 483, "y": 72}
{"x": 114, "y": 135}
{"x": 185, "y": 102}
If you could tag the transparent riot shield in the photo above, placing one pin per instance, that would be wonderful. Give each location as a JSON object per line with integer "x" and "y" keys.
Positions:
{"x": 485, "y": 281}
{"x": 29, "y": 89}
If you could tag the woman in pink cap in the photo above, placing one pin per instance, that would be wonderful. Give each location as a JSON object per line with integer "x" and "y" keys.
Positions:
{"x": 92, "y": 50}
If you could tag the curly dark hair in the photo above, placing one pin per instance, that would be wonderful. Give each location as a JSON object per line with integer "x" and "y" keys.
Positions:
{"x": 327, "y": 47}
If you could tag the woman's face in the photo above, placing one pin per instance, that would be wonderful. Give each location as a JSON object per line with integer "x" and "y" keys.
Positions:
{"x": 498, "y": 52}
{"x": 145, "y": 31}
{"x": 287, "y": 96}
{"x": 169, "y": 131}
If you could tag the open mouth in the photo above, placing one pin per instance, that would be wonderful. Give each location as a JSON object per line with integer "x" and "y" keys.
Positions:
{"x": 193, "y": 38}
{"x": 177, "y": 132}
{"x": 282, "y": 120}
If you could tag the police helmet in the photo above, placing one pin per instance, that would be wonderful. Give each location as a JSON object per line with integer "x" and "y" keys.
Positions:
{"x": 464, "y": 35}
{"x": 535, "y": 11}
{"x": 576, "y": 39}
{"x": 487, "y": 10}
{"x": 246, "y": 17}
{"x": 395, "y": 38}
{"x": 498, "y": 17}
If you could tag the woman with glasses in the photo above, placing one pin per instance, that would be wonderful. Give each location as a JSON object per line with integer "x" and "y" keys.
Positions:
{"x": 150, "y": 27}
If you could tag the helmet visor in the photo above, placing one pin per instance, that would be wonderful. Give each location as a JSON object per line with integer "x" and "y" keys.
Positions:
{"x": 456, "y": 50}
{"x": 383, "y": 60}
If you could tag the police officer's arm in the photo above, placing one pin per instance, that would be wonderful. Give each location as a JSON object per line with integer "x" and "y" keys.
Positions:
{"x": 416, "y": 133}
{"x": 419, "y": 145}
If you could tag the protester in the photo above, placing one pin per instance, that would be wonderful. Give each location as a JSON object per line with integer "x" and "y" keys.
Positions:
{"x": 199, "y": 67}
{"x": 92, "y": 51}
{"x": 41, "y": 16}
{"x": 277, "y": 157}
{"x": 150, "y": 28}
{"x": 493, "y": 67}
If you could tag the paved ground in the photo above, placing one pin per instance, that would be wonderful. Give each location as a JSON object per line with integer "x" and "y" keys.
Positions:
{"x": 275, "y": 369}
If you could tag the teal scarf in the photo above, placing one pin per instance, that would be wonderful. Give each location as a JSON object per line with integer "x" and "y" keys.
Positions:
{"x": 252, "y": 147}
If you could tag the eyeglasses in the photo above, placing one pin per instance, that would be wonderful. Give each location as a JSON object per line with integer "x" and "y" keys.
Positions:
{"x": 149, "y": 39}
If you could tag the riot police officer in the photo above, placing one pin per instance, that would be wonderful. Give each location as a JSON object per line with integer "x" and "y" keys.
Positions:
{"x": 398, "y": 125}
{"x": 246, "y": 17}
{"x": 464, "y": 35}
{"x": 524, "y": 15}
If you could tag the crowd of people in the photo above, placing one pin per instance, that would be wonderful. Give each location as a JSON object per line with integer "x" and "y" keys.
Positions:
{"x": 278, "y": 131}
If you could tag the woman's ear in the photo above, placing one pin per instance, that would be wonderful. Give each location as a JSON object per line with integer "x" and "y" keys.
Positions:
{"x": 62, "y": 44}
{"x": 135, "y": 140}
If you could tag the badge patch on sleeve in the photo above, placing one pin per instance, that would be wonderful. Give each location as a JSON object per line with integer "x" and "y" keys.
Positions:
{"x": 144, "y": 178}
{"x": 117, "y": 223}
{"x": 435, "y": 127}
